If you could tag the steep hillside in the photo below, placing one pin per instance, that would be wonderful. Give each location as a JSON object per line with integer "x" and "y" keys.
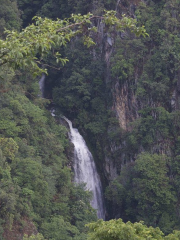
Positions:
{"x": 122, "y": 93}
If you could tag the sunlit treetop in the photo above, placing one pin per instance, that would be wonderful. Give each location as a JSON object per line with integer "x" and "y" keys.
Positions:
{"x": 30, "y": 47}
{"x": 116, "y": 229}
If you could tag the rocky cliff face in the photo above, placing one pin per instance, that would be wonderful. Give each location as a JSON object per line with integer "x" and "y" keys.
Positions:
{"x": 146, "y": 86}
{"x": 124, "y": 105}
{"x": 124, "y": 102}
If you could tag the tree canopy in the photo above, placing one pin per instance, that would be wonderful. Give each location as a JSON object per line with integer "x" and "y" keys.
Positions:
{"x": 118, "y": 230}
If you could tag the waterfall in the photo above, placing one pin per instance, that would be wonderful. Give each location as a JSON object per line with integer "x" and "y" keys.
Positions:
{"x": 42, "y": 84}
{"x": 85, "y": 170}
{"x": 84, "y": 167}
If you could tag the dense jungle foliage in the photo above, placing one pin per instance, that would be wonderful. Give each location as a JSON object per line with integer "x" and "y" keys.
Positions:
{"x": 36, "y": 185}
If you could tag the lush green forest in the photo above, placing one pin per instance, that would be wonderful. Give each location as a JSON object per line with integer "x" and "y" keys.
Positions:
{"x": 122, "y": 92}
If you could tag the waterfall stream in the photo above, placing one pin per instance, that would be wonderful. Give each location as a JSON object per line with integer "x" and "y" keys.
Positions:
{"x": 85, "y": 170}
{"x": 41, "y": 84}
{"x": 84, "y": 167}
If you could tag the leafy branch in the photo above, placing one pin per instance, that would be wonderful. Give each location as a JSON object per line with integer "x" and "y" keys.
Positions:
{"x": 35, "y": 42}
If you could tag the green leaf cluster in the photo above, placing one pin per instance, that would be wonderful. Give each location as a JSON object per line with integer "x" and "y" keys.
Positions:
{"x": 117, "y": 229}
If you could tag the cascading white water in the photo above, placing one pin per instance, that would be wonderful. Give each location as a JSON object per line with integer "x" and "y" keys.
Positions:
{"x": 85, "y": 170}
{"x": 84, "y": 167}
{"x": 41, "y": 84}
